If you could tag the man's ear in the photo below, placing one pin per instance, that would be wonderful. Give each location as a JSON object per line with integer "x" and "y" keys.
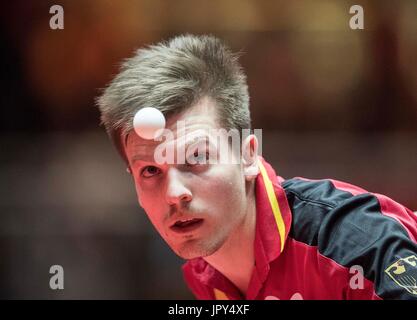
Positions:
{"x": 250, "y": 157}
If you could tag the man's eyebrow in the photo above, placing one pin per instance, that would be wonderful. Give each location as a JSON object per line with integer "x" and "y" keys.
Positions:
{"x": 196, "y": 139}
{"x": 141, "y": 153}
{"x": 205, "y": 138}
{"x": 139, "y": 157}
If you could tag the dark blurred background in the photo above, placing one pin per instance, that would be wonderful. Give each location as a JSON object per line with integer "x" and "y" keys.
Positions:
{"x": 337, "y": 102}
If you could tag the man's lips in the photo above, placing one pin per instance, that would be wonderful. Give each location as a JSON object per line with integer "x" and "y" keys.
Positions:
{"x": 186, "y": 225}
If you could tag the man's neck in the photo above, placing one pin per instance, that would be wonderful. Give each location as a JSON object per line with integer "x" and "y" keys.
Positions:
{"x": 236, "y": 258}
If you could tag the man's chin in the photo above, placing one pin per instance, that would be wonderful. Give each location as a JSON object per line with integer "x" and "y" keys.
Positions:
{"x": 195, "y": 250}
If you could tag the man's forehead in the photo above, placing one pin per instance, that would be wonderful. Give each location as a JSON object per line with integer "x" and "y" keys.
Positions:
{"x": 204, "y": 112}
{"x": 189, "y": 124}
{"x": 138, "y": 145}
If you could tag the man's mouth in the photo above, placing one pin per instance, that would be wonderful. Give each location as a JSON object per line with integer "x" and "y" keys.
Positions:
{"x": 186, "y": 225}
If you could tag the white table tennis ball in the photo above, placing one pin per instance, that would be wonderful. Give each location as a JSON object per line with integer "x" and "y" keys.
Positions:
{"x": 147, "y": 122}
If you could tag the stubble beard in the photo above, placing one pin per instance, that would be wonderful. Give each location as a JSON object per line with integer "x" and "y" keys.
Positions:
{"x": 199, "y": 248}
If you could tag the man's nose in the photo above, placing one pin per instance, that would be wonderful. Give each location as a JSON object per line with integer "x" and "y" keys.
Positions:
{"x": 176, "y": 191}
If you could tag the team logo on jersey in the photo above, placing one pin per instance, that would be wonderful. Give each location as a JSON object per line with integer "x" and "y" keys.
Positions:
{"x": 404, "y": 273}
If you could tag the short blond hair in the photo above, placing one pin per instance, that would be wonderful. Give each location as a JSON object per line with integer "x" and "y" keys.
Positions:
{"x": 172, "y": 76}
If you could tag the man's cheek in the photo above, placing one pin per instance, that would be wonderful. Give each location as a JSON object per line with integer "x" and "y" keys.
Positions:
{"x": 140, "y": 201}
{"x": 138, "y": 190}
{"x": 146, "y": 203}
{"x": 151, "y": 205}
{"x": 143, "y": 196}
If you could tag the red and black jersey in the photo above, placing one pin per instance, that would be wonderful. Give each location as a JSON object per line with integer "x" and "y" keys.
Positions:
{"x": 321, "y": 239}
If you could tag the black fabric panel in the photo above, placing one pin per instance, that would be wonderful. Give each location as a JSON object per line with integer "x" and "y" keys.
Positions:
{"x": 310, "y": 201}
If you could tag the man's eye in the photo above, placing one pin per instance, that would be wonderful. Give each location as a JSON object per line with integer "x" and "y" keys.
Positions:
{"x": 198, "y": 158}
{"x": 150, "y": 171}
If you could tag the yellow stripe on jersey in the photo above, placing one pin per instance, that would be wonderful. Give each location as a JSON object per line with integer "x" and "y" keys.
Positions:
{"x": 274, "y": 204}
{"x": 220, "y": 295}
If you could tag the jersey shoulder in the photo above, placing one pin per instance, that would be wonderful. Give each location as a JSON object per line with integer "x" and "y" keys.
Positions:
{"x": 354, "y": 227}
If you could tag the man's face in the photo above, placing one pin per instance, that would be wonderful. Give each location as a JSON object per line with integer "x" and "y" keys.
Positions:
{"x": 195, "y": 205}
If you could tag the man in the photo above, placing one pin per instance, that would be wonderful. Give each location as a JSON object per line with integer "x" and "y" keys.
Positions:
{"x": 246, "y": 233}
